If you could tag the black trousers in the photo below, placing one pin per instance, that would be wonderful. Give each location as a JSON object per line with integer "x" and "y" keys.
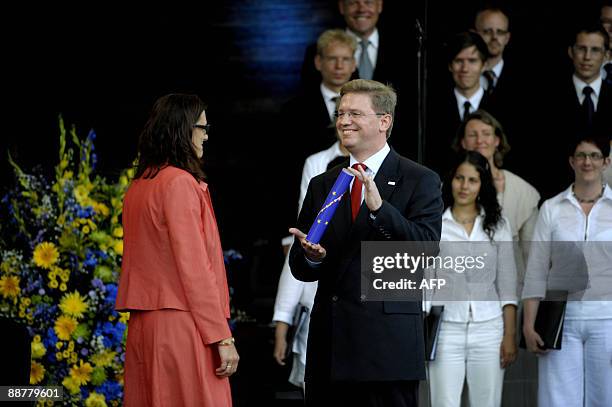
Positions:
{"x": 357, "y": 394}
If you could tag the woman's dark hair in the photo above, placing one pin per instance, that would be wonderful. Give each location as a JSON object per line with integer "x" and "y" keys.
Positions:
{"x": 487, "y": 196}
{"x": 486, "y": 118}
{"x": 602, "y": 143}
{"x": 167, "y": 136}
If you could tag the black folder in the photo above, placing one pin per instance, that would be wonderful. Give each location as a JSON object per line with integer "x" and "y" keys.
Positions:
{"x": 549, "y": 320}
{"x": 433, "y": 320}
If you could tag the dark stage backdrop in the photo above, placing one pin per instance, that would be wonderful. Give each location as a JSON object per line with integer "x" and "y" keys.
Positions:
{"x": 103, "y": 66}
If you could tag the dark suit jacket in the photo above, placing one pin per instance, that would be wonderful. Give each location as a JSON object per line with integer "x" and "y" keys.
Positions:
{"x": 351, "y": 339}
{"x": 305, "y": 128}
{"x": 564, "y": 126}
{"x": 443, "y": 120}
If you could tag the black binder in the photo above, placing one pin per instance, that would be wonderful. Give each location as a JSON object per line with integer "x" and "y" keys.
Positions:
{"x": 299, "y": 319}
{"x": 433, "y": 320}
{"x": 549, "y": 320}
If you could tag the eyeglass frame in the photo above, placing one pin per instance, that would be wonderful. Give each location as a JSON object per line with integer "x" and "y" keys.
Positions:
{"x": 356, "y": 114}
{"x": 595, "y": 156}
{"x": 205, "y": 127}
{"x": 595, "y": 51}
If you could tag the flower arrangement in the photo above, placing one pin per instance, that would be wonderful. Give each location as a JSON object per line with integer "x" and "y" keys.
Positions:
{"x": 60, "y": 262}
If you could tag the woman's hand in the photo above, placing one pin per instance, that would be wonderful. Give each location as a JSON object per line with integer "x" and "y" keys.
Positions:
{"x": 280, "y": 342}
{"x": 229, "y": 360}
{"x": 508, "y": 351}
{"x": 533, "y": 341}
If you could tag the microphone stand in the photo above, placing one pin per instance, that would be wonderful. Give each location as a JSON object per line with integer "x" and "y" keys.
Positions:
{"x": 421, "y": 91}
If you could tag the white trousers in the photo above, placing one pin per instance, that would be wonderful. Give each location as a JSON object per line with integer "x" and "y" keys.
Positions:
{"x": 580, "y": 373}
{"x": 468, "y": 351}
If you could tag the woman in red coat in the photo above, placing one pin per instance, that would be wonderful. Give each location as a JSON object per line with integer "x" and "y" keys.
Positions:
{"x": 180, "y": 351}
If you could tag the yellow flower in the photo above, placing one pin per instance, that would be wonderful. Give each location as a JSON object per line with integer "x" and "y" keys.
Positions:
{"x": 37, "y": 372}
{"x": 103, "y": 358}
{"x": 38, "y": 349}
{"x": 66, "y": 353}
{"x": 85, "y": 229}
{"x": 73, "y": 304}
{"x": 53, "y": 284}
{"x": 9, "y": 286}
{"x": 45, "y": 255}
{"x": 64, "y": 327}
{"x": 59, "y": 344}
{"x": 124, "y": 317}
{"x": 101, "y": 209}
{"x": 81, "y": 373}
{"x": 58, "y": 355}
{"x": 118, "y": 247}
{"x": 81, "y": 194}
{"x": 118, "y": 231}
{"x": 71, "y": 384}
{"x": 95, "y": 400}
{"x": 37, "y": 338}
{"x": 63, "y": 287}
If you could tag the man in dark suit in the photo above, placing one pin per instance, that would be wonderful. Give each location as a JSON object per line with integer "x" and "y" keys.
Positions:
{"x": 580, "y": 107}
{"x": 365, "y": 352}
{"x": 466, "y": 55}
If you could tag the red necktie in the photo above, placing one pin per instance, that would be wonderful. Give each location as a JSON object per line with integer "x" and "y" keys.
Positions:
{"x": 356, "y": 191}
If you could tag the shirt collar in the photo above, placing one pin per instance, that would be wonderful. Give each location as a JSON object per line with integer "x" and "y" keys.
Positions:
{"x": 474, "y": 99}
{"x": 448, "y": 215}
{"x": 497, "y": 69}
{"x": 373, "y": 38}
{"x": 568, "y": 194}
{"x": 374, "y": 161}
{"x": 579, "y": 84}
{"x": 327, "y": 93}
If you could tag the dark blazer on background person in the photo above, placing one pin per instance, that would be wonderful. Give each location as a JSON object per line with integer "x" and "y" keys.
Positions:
{"x": 351, "y": 339}
{"x": 305, "y": 128}
{"x": 566, "y": 119}
{"x": 443, "y": 120}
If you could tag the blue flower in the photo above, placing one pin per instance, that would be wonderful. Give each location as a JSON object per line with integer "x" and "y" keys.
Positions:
{"x": 111, "y": 293}
{"x": 111, "y": 390}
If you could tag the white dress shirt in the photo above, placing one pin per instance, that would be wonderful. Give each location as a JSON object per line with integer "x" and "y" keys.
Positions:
{"x": 497, "y": 70}
{"x": 474, "y": 100}
{"x": 500, "y": 272}
{"x": 328, "y": 95}
{"x": 580, "y": 85}
{"x": 372, "y": 163}
{"x": 372, "y": 46}
{"x": 562, "y": 219}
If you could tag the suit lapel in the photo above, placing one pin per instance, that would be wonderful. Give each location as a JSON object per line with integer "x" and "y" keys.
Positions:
{"x": 387, "y": 180}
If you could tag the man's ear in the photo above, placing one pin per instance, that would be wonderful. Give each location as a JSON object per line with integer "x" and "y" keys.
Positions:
{"x": 318, "y": 62}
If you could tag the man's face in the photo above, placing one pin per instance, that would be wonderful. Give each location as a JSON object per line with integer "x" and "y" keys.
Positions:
{"x": 361, "y": 130}
{"x": 361, "y": 16}
{"x": 493, "y": 28}
{"x": 336, "y": 65}
{"x": 588, "y": 54}
{"x": 606, "y": 20}
{"x": 466, "y": 68}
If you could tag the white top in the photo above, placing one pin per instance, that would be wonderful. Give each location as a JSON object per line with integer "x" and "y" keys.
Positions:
{"x": 497, "y": 70}
{"x": 373, "y": 42}
{"x": 579, "y": 85}
{"x": 562, "y": 219}
{"x": 474, "y": 101}
{"x": 499, "y": 282}
{"x": 372, "y": 163}
{"x": 328, "y": 95}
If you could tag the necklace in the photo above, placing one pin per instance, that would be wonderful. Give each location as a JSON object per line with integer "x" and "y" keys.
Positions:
{"x": 466, "y": 221}
{"x": 589, "y": 201}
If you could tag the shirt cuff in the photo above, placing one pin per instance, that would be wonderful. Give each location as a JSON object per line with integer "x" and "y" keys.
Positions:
{"x": 313, "y": 264}
{"x": 283, "y": 316}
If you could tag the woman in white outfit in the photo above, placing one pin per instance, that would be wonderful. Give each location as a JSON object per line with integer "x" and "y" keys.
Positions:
{"x": 477, "y": 333}
{"x": 580, "y": 373}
